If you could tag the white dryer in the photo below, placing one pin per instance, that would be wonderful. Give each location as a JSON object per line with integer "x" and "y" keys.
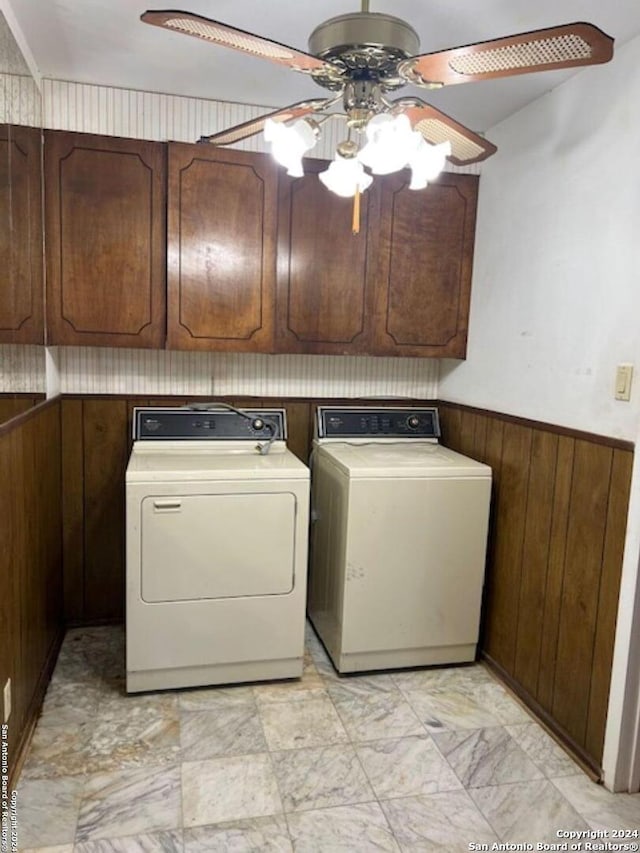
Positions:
{"x": 217, "y": 533}
{"x": 398, "y": 542}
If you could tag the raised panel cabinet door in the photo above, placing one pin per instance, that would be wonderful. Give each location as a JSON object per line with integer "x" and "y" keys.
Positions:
{"x": 423, "y": 276}
{"x": 221, "y": 249}
{"x": 105, "y": 248}
{"x": 324, "y": 301}
{"x": 21, "y": 262}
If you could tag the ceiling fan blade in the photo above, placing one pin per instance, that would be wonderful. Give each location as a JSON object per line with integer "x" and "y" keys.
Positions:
{"x": 255, "y": 125}
{"x": 567, "y": 46}
{"x": 466, "y": 146}
{"x": 226, "y": 36}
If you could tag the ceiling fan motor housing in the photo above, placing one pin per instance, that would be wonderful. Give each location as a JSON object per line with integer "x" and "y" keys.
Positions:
{"x": 368, "y": 44}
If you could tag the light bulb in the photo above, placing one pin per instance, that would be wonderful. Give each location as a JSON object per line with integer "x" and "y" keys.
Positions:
{"x": 427, "y": 162}
{"x": 344, "y": 176}
{"x": 289, "y": 144}
{"x": 391, "y": 144}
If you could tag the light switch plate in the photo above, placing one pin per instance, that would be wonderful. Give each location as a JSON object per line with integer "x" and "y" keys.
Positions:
{"x": 624, "y": 377}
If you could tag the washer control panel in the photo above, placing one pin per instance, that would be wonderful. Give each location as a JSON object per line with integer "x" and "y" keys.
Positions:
{"x": 346, "y": 422}
{"x": 155, "y": 424}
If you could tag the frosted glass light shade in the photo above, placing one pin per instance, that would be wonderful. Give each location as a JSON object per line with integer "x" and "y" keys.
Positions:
{"x": 390, "y": 144}
{"x": 427, "y": 162}
{"x": 344, "y": 176}
{"x": 289, "y": 143}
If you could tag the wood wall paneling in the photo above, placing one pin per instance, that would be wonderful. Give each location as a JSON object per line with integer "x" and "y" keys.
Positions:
{"x": 105, "y": 437}
{"x": 12, "y": 405}
{"x": 73, "y": 507}
{"x": 493, "y": 458}
{"x": 30, "y": 564}
{"x": 550, "y": 616}
{"x": 221, "y": 249}
{"x": 620, "y": 485}
{"x": 299, "y": 420}
{"x": 535, "y": 557}
{"x": 557, "y": 533}
{"x": 581, "y": 586}
{"x": 40, "y": 581}
{"x": 105, "y": 252}
{"x": 503, "y": 582}
{"x": 10, "y": 564}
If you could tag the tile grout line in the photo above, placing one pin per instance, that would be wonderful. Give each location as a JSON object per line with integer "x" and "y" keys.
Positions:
{"x": 354, "y": 744}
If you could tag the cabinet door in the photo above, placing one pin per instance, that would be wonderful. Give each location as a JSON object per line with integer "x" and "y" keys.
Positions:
{"x": 324, "y": 298}
{"x": 105, "y": 247}
{"x": 21, "y": 262}
{"x": 423, "y": 275}
{"x": 222, "y": 244}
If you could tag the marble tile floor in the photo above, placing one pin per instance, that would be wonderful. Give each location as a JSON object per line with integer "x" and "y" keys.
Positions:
{"x": 420, "y": 760}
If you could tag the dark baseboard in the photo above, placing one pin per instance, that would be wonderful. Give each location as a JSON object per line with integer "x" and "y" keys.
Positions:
{"x": 585, "y": 760}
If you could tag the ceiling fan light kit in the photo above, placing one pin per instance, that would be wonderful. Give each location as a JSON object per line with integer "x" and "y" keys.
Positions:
{"x": 345, "y": 176}
{"x": 361, "y": 57}
{"x": 290, "y": 143}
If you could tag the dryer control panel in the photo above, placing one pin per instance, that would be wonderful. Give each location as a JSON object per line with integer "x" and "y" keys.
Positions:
{"x": 388, "y": 422}
{"x": 189, "y": 424}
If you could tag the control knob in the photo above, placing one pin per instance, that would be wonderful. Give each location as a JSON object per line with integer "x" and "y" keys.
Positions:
{"x": 413, "y": 422}
{"x": 257, "y": 424}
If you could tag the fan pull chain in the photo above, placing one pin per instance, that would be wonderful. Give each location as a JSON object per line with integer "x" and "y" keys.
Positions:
{"x": 355, "y": 227}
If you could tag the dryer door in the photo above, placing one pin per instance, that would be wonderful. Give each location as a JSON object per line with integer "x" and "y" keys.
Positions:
{"x": 217, "y": 545}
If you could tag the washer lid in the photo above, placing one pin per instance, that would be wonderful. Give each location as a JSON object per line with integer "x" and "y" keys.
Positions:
{"x": 404, "y": 459}
{"x": 152, "y": 462}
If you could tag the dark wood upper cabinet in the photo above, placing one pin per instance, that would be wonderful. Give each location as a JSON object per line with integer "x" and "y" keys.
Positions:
{"x": 21, "y": 261}
{"x": 105, "y": 240}
{"x": 221, "y": 249}
{"x": 254, "y": 261}
{"x": 424, "y": 265}
{"x": 324, "y": 300}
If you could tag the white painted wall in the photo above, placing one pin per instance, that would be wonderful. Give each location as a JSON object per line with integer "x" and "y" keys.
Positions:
{"x": 556, "y": 304}
{"x": 12, "y": 40}
{"x": 556, "y": 288}
{"x": 11, "y": 59}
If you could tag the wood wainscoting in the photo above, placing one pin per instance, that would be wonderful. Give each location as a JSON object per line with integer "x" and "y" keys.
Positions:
{"x": 12, "y": 405}
{"x": 560, "y": 501}
{"x": 31, "y": 623}
{"x": 557, "y": 534}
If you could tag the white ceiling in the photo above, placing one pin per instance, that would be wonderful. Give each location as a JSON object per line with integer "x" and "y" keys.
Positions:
{"x": 103, "y": 41}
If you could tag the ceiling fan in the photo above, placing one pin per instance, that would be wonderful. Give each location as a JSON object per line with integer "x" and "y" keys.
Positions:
{"x": 360, "y": 58}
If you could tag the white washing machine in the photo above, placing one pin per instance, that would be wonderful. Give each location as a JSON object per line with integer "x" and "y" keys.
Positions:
{"x": 217, "y": 533}
{"x": 398, "y": 542}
